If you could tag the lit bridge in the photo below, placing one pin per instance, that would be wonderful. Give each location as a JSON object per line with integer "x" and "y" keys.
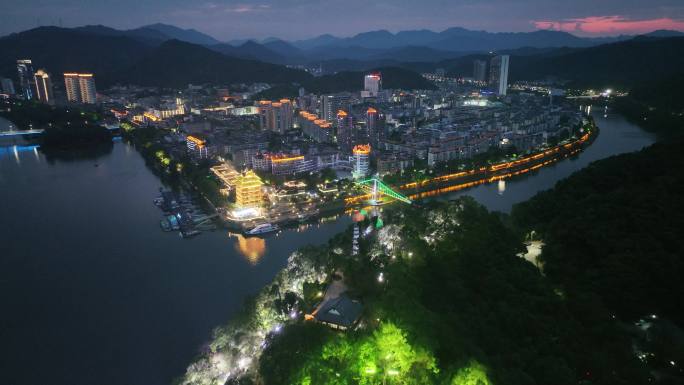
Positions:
{"x": 38, "y": 131}
{"x": 376, "y": 189}
{"x": 20, "y": 132}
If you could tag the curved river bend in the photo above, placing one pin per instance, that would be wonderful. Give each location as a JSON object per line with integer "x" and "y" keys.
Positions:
{"x": 93, "y": 292}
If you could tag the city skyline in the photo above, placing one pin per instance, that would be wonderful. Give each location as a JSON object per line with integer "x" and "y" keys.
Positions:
{"x": 292, "y": 20}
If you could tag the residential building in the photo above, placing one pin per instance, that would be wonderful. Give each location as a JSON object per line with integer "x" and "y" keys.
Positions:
{"x": 330, "y": 104}
{"x": 7, "y": 86}
{"x": 43, "y": 87}
{"x": 372, "y": 84}
{"x": 197, "y": 147}
{"x": 320, "y": 130}
{"x": 498, "y": 74}
{"x": 372, "y": 126}
{"x": 344, "y": 131}
{"x": 360, "y": 160}
{"x": 275, "y": 116}
{"x": 480, "y": 70}
{"x": 25, "y": 71}
{"x": 80, "y": 87}
{"x": 282, "y": 164}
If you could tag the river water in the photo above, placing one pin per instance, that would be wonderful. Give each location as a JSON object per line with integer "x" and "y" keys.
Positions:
{"x": 93, "y": 292}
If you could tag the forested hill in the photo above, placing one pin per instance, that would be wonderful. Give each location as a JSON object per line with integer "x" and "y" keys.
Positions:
{"x": 613, "y": 232}
{"x": 352, "y": 81}
{"x": 657, "y": 106}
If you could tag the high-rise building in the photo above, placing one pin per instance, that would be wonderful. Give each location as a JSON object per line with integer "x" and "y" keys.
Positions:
{"x": 372, "y": 126}
{"x": 372, "y": 84}
{"x": 248, "y": 192}
{"x": 315, "y": 128}
{"x": 80, "y": 88}
{"x": 344, "y": 131}
{"x": 498, "y": 74}
{"x": 276, "y": 116}
{"x": 7, "y": 86}
{"x": 360, "y": 160}
{"x": 25, "y": 71}
{"x": 480, "y": 70}
{"x": 43, "y": 87}
{"x": 197, "y": 147}
{"x": 330, "y": 104}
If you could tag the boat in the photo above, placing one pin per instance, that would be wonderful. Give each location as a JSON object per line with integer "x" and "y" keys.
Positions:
{"x": 188, "y": 234}
{"x": 263, "y": 229}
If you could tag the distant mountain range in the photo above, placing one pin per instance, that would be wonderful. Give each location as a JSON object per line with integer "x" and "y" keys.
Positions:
{"x": 165, "y": 55}
{"x": 141, "y": 56}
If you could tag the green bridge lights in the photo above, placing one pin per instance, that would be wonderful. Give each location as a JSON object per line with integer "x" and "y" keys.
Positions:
{"x": 376, "y": 188}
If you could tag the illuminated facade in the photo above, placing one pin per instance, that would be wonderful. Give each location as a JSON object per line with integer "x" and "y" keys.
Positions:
{"x": 360, "y": 160}
{"x": 248, "y": 190}
{"x": 372, "y": 84}
{"x": 80, "y": 88}
{"x": 344, "y": 131}
{"x": 498, "y": 74}
{"x": 227, "y": 174}
{"x": 372, "y": 126}
{"x": 171, "y": 110}
{"x": 43, "y": 87}
{"x": 276, "y": 116}
{"x": 197, "y": 147}
{"x": 25, "y": 72}
{"x": 320, "y": 130}
{"x": 291, "y": 164}
{"x": 330, "y": 104}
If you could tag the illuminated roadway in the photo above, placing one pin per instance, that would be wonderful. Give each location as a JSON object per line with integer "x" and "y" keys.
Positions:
{"x": 516, "y": 167}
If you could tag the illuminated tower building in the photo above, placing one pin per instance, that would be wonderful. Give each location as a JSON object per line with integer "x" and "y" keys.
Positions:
{"x": 25, "y": 71}
{"x": 330, "y": 104}
{"x": 248, "y": 191}
{"x": 360, "y": 160}
{"x": 498, "y": 74}
{"x": 372, "y": 126}
{"x": 276, "y": 116}
{"x": 43, "y": 87}
{"x": 344, "y": 131}
{"x": 80, "y": 88}
{"x": 197, "y": 147}
{"x": 372, "y": 84}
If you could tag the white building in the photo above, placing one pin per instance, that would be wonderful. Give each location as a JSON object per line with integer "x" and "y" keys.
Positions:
{"x": 498, "y": 74}
{"x": 360, "y": 160}
{"x": 372, "y": 84}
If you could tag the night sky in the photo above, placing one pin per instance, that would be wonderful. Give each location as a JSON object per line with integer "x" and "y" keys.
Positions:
{"x": 296, "y": 19}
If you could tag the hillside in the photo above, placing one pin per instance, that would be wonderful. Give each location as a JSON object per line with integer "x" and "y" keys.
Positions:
{"x": 133, "y": 57}
{"x": 176, "y": 64}
{"x": 623, "y": 64}
{"x": 61, "y": 50}
{"x": 613, "y": 230}
{"x": 352, "y": 81}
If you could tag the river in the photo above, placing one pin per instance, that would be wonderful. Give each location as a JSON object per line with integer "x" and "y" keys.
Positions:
{"x": 93, "y": 292}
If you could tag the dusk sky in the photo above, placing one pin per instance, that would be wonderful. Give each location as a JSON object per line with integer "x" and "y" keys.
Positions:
{"x": 296, "y": 19}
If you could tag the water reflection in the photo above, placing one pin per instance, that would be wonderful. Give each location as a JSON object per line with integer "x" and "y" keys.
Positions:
{"x": 252, "y": 248}
{"x": 502, "y": 186}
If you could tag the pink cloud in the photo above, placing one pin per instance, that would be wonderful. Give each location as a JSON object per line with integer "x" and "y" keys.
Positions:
{"x": 609, "y": 25}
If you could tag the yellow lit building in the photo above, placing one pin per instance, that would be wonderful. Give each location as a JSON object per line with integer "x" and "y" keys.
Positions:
{"x": 248, "y": 191}
{"x": 80, "y": 88}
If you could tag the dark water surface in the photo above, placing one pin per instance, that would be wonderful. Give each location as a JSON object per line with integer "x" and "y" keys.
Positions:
{"x": 93, "y": 292}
